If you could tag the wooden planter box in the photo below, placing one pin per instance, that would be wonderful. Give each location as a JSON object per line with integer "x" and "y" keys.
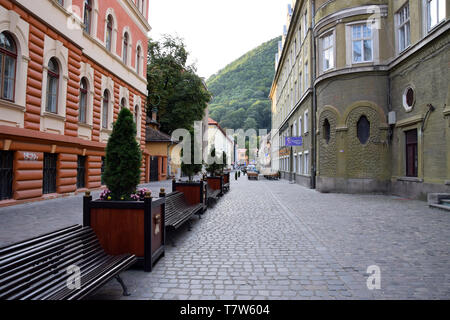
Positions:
{"x": 226, "y": 177}
{"x": 216, "y": 183}
{"x": 194, "y": 192}
{"x": 135, "y": 227}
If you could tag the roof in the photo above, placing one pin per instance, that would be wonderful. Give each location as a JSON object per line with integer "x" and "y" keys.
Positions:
{"x": 213, "y": 122}
{"x": 152, "y": 135}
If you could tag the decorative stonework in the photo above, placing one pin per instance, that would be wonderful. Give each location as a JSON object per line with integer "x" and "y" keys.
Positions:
{"x": 328, "y": 151}
{"x": 368, "y": 160}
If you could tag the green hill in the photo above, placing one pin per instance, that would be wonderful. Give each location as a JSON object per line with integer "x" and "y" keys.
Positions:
{"x": 240, "y": 90}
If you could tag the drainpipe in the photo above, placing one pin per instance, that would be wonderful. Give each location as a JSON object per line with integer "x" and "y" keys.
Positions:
{"x": 314, "y": 100}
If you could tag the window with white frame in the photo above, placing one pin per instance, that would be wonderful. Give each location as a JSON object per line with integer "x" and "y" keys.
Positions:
{"x": 403, "y": 28}
{"x": 306, "y": 76}
{"x": 294, "y": 133}
{"x": 362, "y": 43}
{"x": 299, "y": 126}
{"x": 305, "y": 124}
{"x": 306, "y": 163}
{"x": 305, "y": 24}
{"x": 327, "y": 42}
{"x": 300, "y": 161}
{"x": 295, "y": 163}
{"x": 436, "y": 12}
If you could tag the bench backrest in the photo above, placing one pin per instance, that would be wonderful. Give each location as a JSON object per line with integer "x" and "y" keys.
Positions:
{"x": 175, "y": 202}
{"x": 38, "y": 266}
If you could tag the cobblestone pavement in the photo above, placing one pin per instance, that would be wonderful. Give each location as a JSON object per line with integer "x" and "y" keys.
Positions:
{"x": 275, "y": 240}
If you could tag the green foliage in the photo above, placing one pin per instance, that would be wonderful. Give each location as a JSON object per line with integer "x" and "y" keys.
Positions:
{"x": 180, "y": 94}
{"x": 123, "y": 158}
{"x": 242, "y": 88}
{"x": 216, "y": 168}
{"x": 190, "y": 169}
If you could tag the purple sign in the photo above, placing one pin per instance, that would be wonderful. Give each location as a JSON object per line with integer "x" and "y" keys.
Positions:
{"x": 294, "y": 141}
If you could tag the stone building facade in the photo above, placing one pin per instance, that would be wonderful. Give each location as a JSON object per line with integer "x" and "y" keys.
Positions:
{"x": 71, "y": 65}
{"x": 380, "y": 96}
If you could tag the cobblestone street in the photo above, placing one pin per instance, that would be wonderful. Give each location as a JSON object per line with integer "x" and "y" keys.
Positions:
{"x": 275, "y": 240}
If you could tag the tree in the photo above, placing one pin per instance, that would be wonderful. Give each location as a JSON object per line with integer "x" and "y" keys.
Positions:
{"x": 181, "y": 94}
{"x": 216, "y": 168}
{"x": 250, "y": 123}
{"x": 123, "y": 158}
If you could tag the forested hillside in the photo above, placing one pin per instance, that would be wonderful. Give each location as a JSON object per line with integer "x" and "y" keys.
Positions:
{"x": 240, "y": 90}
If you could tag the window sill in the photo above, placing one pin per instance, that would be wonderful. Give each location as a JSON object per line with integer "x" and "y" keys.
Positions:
{"x": 108, "y": 131}
{"x": 85, "y": 125}
{"x": 410, "y": 179}
{"x": 56, "y": 116}
{"x": 11, "y": 105}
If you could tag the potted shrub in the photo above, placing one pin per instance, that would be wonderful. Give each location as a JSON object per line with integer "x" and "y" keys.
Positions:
{"x": 194, "y": 191}
{"x": 215, "y": 170}
{"x": 125, "y": 218}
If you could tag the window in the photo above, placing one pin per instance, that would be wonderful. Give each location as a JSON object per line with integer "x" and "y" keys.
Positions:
{"x": 52, "y": 86}
{"x": 109, "y": 32}
{"x": 138, "y": 60}
{"x": 300, "y": 161}
{"x": 362, "y": 43}
{"x": 411, "y": 153}
{"x": 328, "y": 52}
{"x": 435, "y": 12}
{"x": 81, "y": 172}
{"x": 61, "y": 2}
{"x": 295, "y": 163}
{"x": 363, "y": 129}
{"x": 306, "y": 163}
{"x": 123, "y": 103}
{"x": 125, "y": 48}
{"x": 306, "y": 76}
{"x": 403, "y": 25}
{"x": 305, "y": 125}
{"x": 136, "y": 115}
{"x": 83, "y": 101}
{"x": 49, "y": 174}
{"x": 305, "y": 24}
{"x": 326, "y": 131}
{"x": 294, "y": 132}
{"x": 105, "y": 109}
{"x": 300, "y": 85}
{"x": 6, "y": 174}
{"x": 102, "y": 170}
{"x": 87, "y": 16}
{"x": 409, "y": 99}
{"x": 299, "y": 126}
{"x": 8, "y": 59}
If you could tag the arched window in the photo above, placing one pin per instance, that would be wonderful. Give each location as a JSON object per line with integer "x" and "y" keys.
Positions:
{"x": 109, "y": 32}
{"x": 125, "y": 48}
{"x": 136, "y": 114}
{"x": 8, "y": 58}
{"x": 138, "y": 59}
{"x": 87, "y": 15}
{"x": 105, "y": 109}
{"x": 363, "y": 129}
{"x": 326, "y": 131}
{"x": 52, "y": 86}
{"x": 123, "y": 103}
{"x": 83, "y": 101}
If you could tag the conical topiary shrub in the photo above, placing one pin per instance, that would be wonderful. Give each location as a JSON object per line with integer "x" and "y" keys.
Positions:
{"x": 123, "y": 158}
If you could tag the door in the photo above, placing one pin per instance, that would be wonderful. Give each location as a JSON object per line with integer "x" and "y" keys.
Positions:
{"x": 411, "y": 153}
{"x": 49, "y": 183}
{"x": 6, "y": 174}
{"x": 154, "y": 168}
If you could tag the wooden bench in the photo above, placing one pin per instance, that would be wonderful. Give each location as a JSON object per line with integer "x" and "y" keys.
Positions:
{"x": 39, "y": 268}
{"x": 212, "y": 195}
{"x": 178, "y": 211}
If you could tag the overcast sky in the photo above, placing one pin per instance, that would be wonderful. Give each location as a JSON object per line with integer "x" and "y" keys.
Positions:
{"x": 216, "y": 32}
